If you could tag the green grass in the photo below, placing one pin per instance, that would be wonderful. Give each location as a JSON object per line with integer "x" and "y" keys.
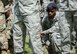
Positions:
{"x": 27, "y": 47}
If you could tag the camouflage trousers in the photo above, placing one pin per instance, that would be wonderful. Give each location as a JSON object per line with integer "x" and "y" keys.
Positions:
{"x": 5, "y": 31}
{"x": 3, "y": 40}
{"x": 9, "y": 32}
{"x": 3, "y": 34}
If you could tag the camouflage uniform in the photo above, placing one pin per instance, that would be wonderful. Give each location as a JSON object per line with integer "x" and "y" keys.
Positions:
{"x": 67, "y": 12}
{"x": 3, "y": 37}
{"x": 26, "y": 13}
{"x": 52, "y": 30}
{"x": 9, "y": 31}
{"x": 8, "y": 7}
{"x": 9, "y": 25}
{"x": 8, "y": 22}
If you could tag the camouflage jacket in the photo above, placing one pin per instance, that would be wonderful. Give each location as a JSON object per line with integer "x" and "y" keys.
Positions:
{"x": 2, "y": 17}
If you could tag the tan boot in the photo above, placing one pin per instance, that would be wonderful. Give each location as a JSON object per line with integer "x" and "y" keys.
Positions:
{"x": 3, "y": 52}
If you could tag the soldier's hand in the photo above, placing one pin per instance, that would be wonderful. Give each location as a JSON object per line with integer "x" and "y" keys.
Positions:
{"x": 42, "y": 34}
{"x": 7, "y": 14}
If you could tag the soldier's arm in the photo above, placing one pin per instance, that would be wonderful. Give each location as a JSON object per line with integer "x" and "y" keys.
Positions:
{"x": 8, "y": 8}
{"x": 7, "y": 11}
{"x": 43, "y": 25}
{"x": 7, "y": 4}
{"x": 51, "y": 30}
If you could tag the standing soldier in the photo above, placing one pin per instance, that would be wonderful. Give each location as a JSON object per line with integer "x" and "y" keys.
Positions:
{"x": 5, "y": 13}
{"x": 72, "y": 13}
{"x": 9, "y": 25}
{"x": 26, "y": 13}
{"x": 3, "y": 37}
{"x": 67, "y": 13}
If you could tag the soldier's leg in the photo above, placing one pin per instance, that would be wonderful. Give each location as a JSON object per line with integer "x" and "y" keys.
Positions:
{"x": 4, "y": 42}
{"x": 75, "y": 27}
{"x": 75, "y": 24}
{"x": 3, "y": 36}
{"x": 48, "y": 43}
{"x": 65, "y": 33}
{"x": 9, "y": 24}
{"x": 33, "y": 25}
{"x": 56, "y": 43}
{"x": 18, "y": 34}
{"x": 50, "y": 50}
{"x": 70, "y": 18}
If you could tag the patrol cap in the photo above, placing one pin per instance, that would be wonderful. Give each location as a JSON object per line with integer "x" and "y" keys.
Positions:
{"x": 52, "y": 6}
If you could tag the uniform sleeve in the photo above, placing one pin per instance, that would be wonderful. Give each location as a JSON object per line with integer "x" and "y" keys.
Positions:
{"x": 7, "y": 4}
{"x": 43, "y": 25}
{"x": 7, "y": 7}
{"x": 52, "y": 29}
